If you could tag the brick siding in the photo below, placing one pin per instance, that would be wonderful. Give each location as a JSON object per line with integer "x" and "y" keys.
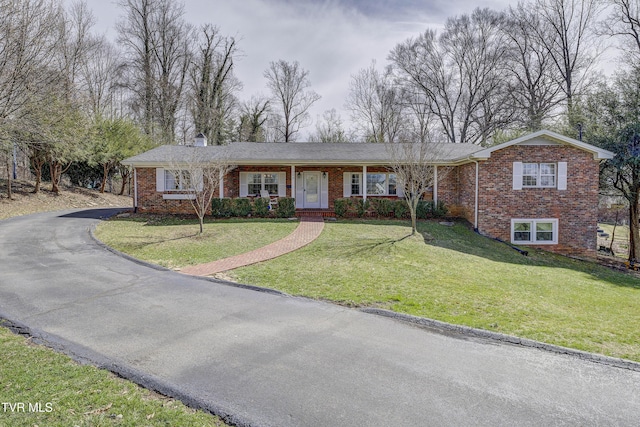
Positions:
{"x": 576, "y": 208}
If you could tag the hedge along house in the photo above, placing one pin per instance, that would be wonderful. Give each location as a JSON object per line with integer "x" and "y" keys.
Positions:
{"x": 539, "y": 190}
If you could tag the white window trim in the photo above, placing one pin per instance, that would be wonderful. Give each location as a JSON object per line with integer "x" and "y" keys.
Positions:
{"x": 539, "y": 175}
{"x": 363, "y": 184}
{"x": 181, "y": 185}
{"x": 561, "y": 176}
{"x": 533, "y": 222}
{"x": 360, "y": 183}
{"x": 280, "y": 177}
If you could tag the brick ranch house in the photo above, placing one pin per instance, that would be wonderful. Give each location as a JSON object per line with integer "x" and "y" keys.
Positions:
{"x": 539, "y": 190}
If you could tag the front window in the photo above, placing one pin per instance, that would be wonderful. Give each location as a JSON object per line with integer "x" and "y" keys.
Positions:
{"x": 544, "y": 232}
{"x": 393, "y": 187}
{"x": 539, "y": 174}
{"x": 256, "y": 182}
{"x": 355, "y": 184}
{"x": 177, "y": 180}
{"x": 376, "y": 184}
{"x": 547, "y": 175}
{"x": 522, "y": 232}
{"x": 534, "y": 231}
{"x": 271, "y": 183}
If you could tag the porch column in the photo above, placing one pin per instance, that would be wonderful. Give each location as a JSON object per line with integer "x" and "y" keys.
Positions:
{"x": 221, "y": 186}
{"x": 293, "y": 181}
{"x": 435, "y": 185}
{"x": 364, "y": 183}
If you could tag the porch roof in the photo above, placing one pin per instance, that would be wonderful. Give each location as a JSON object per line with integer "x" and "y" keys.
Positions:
{"x": 299, "y": 154}
{"x": 361, "y": 154}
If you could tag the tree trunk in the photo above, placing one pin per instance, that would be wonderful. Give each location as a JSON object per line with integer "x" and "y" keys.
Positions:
{"x": 105, "y": 173}
{"x": 9, "y": 176}
{"x": 613, "y": 233}
{"x": 37, "y": 168}
{"x": 53, "y": 169}
{"x": 634, "y": 230}
{"x": 124, "y": 174}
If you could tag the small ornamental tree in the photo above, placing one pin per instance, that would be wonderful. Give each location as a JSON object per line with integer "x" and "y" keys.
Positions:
{"x": 198, "y": 173}
{"x": 415, "y": 170}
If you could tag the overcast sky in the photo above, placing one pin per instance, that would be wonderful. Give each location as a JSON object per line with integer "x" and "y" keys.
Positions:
{"x": 332, "y": 39}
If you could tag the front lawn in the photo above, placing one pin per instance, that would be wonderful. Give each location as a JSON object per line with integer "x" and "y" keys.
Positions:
{"x": 41, "y": 387}
{"x": 173, "y": 242}
{"x": 454, "y": 275}
{"x": 446, "y": 273}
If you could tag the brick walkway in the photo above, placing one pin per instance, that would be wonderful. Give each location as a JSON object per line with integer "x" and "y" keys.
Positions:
{"x": 306, "y": 232}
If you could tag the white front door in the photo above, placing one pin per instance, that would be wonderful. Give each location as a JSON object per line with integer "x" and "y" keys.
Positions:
{"x": 311, "y": 182}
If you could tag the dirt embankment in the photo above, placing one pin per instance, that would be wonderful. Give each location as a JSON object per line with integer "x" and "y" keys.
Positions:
{"x": 25, "y": 202}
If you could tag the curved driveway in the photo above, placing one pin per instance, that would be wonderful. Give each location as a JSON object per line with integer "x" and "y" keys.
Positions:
{"x": 265, "y": 359}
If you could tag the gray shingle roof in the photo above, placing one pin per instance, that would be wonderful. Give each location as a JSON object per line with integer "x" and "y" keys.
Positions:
{"x": 252, "y": 153}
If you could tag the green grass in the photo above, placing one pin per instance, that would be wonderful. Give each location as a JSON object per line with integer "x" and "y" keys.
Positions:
{"x": 454, "y": 275}
{"x": 172, "y": 242}
{"x": 66, "y": 394}
{"x": 446, "y": 273}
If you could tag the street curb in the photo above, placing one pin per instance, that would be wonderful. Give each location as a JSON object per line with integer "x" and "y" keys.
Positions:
{"x": 85, "y": 356}
{"x": 466, "y": 331}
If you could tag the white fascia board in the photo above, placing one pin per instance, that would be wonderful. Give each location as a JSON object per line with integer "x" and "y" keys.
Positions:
{"x": 554, "y": 137}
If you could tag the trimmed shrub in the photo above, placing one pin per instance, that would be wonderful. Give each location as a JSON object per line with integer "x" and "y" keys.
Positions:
{"x": 361, "y": 206}
{"x": 427, "y": 209}
{"x": 424, "y": 210}
{"x": 286, "y": 207}
{"x": 222, "y": 208}
{"x": 340, "y": 207}
{"x": 400, "y": 209}
{"x": 261, "y": 207}
{"x": 440, "y": 210}
{"x": 241, "y": 207}
{"x": 382, "y": 207}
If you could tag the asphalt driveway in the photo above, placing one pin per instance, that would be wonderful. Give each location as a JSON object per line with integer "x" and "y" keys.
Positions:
{"x": 264, "y": 359}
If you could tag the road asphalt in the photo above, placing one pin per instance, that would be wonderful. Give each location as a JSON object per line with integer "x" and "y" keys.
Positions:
{"x": 266, "y": 359}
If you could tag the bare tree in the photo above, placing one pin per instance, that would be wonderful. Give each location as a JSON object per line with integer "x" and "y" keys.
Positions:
{"x": 290, "y": 88}
{"x": 329, "y": 129}
{"x": 624, "y": 23}
{"x": 414, "y": 165}
{"x": 213, "y": 84}
{"x": 533, "y": 86}
{"x": 253, "y": 116}
{"x": 421, "y": 122}
{"x": 156, "y": 42}
{"x": 375, "y": 104}
{"x": 27, "y": 40}
{"x": 136, "y": 36}
{"x": 75, "y": 45}
{"x": 460, "y": 73}
{"x": 567, "y": 31}
{"x": 197, "y": 173}
{"x": 101, "y": 81}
